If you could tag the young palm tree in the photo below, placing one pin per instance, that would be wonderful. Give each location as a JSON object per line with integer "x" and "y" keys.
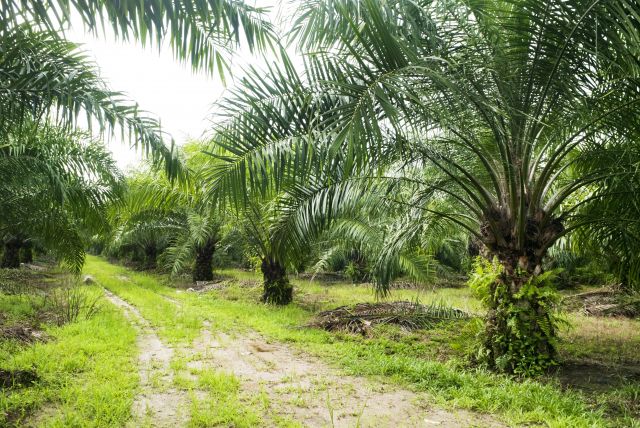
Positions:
{"x": 497, "y": 100}
{"x": 177, "y": 221}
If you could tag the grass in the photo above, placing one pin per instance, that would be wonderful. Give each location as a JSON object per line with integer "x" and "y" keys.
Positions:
{"x": 88, "y": 375}
{"x": 221, "y": 405}
{"x": 604, "y": 340}
{"x": 86, "y": 371}
{"x": 429, "y": 361}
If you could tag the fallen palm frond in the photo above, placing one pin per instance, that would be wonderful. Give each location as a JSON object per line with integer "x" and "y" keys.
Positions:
{"x": 20, "y": 333}
{"x": 361, "y": 317}
{"x": 605, "y": 302}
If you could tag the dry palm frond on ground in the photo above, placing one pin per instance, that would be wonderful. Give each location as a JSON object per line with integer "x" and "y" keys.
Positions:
{"x": 607, "y": 301}
{"x": 361, "y": 317}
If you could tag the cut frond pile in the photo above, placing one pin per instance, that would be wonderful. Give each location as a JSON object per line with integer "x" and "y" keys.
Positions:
{"x": 409, "y": 315}
{"x": 605, "y": 302}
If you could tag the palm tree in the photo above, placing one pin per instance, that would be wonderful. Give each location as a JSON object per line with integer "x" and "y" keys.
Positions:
{"x": 46, "y": 81}
{"x": 44, "y": 77}
{"x": 610, "y": 212}
{"x": 202, "y": 32}
{"x": 54, "y": 186}
{"x": 496, "y": 100}
{"x": 177, "y": 221}
{"x": 200, "y": 219}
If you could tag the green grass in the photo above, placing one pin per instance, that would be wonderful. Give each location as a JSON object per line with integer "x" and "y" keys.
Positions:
{"x": 87, "y": 374}
{"x": 406, "y": 359}
{"x": 221, "y": 406}
{"x": 605, "y": 340}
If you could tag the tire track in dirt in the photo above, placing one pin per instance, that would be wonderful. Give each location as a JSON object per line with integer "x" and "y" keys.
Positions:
{"x": 157, "y": 404}
{"x": 300, "y": 387}
{"x": 305, "y": 389}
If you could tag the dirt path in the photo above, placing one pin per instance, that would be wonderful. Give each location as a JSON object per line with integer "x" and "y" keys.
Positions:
{"x": 299, "y": 387}
{"x": 305, "y": 389}
{"x": 157, "y": 404}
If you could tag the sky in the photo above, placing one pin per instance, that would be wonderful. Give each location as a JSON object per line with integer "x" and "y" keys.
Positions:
{"x": 171, "y": 91}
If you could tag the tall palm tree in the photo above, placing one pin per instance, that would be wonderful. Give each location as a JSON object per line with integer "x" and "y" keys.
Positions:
{"x": 498, "y": 100}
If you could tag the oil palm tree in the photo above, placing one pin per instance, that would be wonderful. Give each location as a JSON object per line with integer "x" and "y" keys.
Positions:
{"x": 202, "y": 32}
{"x": 44, "y": 77}
{"x": 55, "y": 186}
{"x": 610, "y": 212}
{"x": 498, "y": 100}
{"x": 195, "y": 241}
{"x": 46, "y": 81}
{"x": 175, "y": 221}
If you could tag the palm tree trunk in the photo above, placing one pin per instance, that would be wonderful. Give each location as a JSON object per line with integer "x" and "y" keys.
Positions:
{"x": 203, "y": 271}
{"x": 11, "y": 255}
{"x": 26, "y": 254}
{"x": 277, "y": 289}
{"x": 520, "y": 327}
{"x": 150, "y": 256}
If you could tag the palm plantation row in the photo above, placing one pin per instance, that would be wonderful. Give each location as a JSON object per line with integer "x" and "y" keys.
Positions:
{"x": 409, "y": 136}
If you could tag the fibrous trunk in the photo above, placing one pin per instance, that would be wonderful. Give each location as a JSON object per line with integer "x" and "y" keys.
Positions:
{"x": 150, "y": 256}
{"x": 277, "y": 289}
{"x": 202, "y": 270}
{"x": 26, "y": 253}
{"x": 521, "y": 325}
{"x": 11, "y": 255}
{"x": 521, "y": 328}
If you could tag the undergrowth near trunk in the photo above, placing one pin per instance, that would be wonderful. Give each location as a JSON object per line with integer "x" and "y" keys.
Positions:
{"x": 522, "y": 323}
{"x": 430, "y": 360}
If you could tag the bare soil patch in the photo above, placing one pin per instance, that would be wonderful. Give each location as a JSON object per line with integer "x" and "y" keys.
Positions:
{"x": 22, "y": 333}
{"x": 595, "y": 377}
{"x": 305, "y": 389}
{"x": 157, "y": 404}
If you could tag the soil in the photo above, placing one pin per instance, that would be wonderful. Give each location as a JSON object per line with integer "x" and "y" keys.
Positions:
{"x": 595, "y": 377}
{"x": 22, "y": 333}
{"x": 309, "y": 391}
{"x": 157, "y": 404}
{"x": 299, "y": 386}
{"x": 17, "y": 378}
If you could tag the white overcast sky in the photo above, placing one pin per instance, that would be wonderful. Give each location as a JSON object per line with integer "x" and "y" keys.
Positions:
{"x": 168, "y": 89}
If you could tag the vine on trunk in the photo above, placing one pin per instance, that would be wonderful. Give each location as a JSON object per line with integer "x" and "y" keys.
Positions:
{"x": 520, "y": 336}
